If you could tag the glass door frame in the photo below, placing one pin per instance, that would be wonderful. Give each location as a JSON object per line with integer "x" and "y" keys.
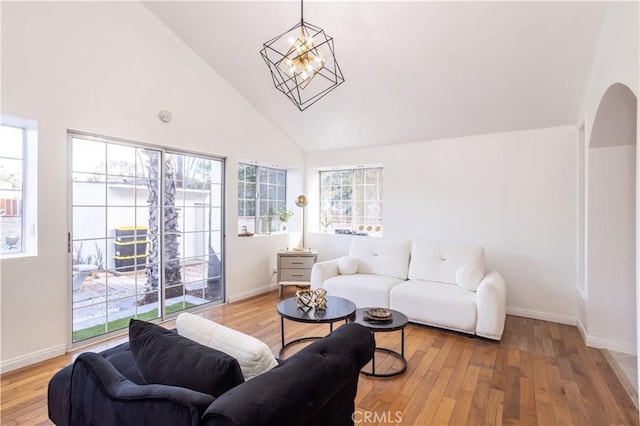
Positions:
{"x": 161, "y": 285}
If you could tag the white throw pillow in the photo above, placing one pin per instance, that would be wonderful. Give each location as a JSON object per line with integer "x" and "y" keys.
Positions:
{"x": 468, "y": 277}
{"x": 347, "y": 265}
{"x": 254, "y": 356}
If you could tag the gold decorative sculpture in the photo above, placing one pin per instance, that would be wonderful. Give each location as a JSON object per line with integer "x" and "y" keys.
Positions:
{"x": 304, "y": 298}
{"x": 320, "y": 299}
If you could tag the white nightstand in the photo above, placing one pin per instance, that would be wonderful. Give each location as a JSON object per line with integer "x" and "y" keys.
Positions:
{"x": 294, "y": 268}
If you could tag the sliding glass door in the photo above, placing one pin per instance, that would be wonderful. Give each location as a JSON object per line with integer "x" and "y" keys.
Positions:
{"x": 146, "y": 234}
{"x": 193, "y": 238}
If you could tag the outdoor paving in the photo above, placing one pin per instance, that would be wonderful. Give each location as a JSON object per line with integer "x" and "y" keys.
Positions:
{"x": 121, "y": 292}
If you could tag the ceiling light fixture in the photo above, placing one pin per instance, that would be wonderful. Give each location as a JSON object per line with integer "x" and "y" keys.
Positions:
{"x": 299, "y": 57}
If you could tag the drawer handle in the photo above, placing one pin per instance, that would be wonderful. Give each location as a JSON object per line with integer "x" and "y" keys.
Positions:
{"x": 296, "y": 263}
{"x": 295, "y": 275}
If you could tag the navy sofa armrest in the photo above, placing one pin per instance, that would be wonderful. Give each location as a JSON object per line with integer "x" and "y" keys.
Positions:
{"x": 101, "y": 395}
{"x": 59, "y": 396}
{"x": 316, "y": 386}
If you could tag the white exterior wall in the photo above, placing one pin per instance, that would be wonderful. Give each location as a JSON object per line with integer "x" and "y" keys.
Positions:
{"x": 122, "y": 195}
{"x": 109, "y": 68}
{"x": 512, "y": 193}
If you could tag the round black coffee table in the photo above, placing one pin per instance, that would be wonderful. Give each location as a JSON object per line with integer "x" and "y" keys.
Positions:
{"x": 337, "y": 309}
{"x": 398, "y": 322}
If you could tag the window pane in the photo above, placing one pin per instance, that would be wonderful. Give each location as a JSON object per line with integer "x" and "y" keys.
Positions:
{"x": 251, "y": 191}
{"x": 89, "y": 222}
{"x": 265, "y": 188}
{"x": 10, "y": 173}
{"x": 351, "y": 199}
{"x": 264, "y": 174}
{"x": 88, "y": 193}
{"x": 12, "y": 139}
{"x": 121, "y": 160}
{"x": 250, "y": 208}
{"x": 89, "y": 156}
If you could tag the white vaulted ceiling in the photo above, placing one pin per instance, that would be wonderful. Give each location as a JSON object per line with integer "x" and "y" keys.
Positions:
{"x": 414, "y": 71}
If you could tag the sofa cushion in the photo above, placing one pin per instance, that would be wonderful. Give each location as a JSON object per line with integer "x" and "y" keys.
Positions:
{"x": 438, "y": 304}
{"x": 254, "y": 356}
{"x": 164, "y": 357}
{"x": 440, "y": 262}
{"x": 347, "y": 265}
{"x": 364, "y": 290}
{"x": 121, "y": 358}
{"x": 316, "y": 386}
{"x": 468, "y": 277}
{"x": 381, "y": 257}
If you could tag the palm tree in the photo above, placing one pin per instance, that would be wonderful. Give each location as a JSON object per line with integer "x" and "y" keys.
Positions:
{"x": 172, "y": 267}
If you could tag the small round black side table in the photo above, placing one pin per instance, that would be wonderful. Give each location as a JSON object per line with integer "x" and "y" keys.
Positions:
{"x": 338, "y": 309}
{"x": 398, "y": 322}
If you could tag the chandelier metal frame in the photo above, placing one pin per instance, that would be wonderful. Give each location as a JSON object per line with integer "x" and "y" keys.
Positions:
{"x": 303, "y": 66}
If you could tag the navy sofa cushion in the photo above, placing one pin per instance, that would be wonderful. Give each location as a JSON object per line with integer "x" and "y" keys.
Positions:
{"x": 164, "y": 357}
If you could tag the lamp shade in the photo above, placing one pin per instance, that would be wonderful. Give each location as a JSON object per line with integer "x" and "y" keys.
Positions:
{"x": 301, "y": 201}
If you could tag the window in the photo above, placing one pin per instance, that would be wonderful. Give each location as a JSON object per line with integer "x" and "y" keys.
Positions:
{"x": 147, "y": 236}
{"x": 18, "y": 187}
{"x": 261, "y": 192}
{"x": 351, "y": 199}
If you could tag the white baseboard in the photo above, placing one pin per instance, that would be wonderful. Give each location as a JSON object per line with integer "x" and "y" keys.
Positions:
{"x": 32, "y": 358}
{"x": 253, "y": 292}
{"x": 593, "y": 342}
{"x": 612, "y": 345}
{"x": 602, "y": 343}
{"x": 545, "y": 316}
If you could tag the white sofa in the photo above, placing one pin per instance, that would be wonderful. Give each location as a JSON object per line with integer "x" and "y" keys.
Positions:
{"x": 442, "y": 285}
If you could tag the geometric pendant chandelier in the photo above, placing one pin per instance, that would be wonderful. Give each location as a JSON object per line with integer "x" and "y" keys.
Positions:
{"x": 302, "y": 63}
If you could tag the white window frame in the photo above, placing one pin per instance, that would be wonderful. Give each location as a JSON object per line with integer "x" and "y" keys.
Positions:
{"x": 370, "y": 224}
{"x": 259, "y": 197}
{"x": 29, "y": 213}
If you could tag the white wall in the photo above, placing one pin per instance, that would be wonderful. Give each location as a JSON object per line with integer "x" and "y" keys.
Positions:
{"x": 616, "y": 58}
{"x": 611, "y": 305}
{"x": 512, "y": 193}
{"x": 615, "y": 61}
{"x": 109, "y": 68}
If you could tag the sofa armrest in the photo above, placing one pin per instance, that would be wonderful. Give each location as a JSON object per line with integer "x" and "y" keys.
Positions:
{"x": 491, "y": 300}
{"x": 321, "y": 271}
{"x": 316, "y": 386}
{"x": 59, "y": 397}
{"x": 101, "y": 395}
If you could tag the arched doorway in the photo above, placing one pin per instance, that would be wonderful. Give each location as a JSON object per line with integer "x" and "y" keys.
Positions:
{"x": 611, "y": 308}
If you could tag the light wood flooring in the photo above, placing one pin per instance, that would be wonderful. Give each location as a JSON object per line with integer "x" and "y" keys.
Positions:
{"x": 540, "y": 373}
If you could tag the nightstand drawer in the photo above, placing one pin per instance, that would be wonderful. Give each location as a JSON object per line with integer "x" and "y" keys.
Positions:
{"x": 295, "y": 275}
{"x": 297, "y": 262}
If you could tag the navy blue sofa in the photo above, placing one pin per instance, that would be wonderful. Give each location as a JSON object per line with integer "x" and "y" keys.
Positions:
{"x": 316, "y": 386}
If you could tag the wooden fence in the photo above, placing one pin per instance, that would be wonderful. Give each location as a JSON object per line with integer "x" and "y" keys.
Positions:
{"x": 10, "y": 207}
